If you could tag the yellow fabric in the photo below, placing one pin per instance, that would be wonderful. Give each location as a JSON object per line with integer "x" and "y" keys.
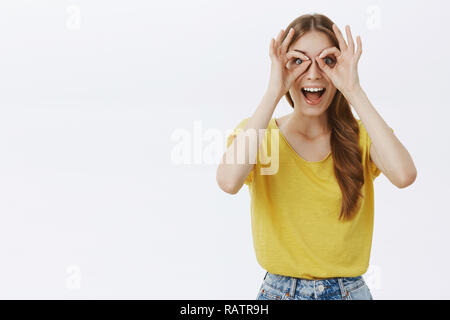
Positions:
{"x": 294, "y": 213}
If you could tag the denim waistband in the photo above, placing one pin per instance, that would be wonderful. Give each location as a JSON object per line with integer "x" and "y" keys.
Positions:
{"x": 279, "y": 276}
{"x": 290, "y": 284}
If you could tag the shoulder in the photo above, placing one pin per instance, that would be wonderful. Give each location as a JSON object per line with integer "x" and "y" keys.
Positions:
{"x": 244, "y": 121}
{"x": 237, "y": 128}
{"x": 360, "y": 124}
{"x": 362, "y": 130}
{"x": 241, "y": 124}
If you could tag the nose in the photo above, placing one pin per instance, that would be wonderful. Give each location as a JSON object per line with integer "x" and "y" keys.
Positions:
{"x": 314, "y": 71}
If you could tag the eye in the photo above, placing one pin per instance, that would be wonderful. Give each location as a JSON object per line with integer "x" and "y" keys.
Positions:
{"x": 329, "y": 60}
{"x": 298, "y": 61}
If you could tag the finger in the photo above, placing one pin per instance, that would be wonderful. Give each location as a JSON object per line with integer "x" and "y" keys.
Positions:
{"x": 338, "y": 33}
{"x": 271, "y": 48}
{"x": 278, "y": 40}
{"x": 287, "y": 40}
{"x": 300, "y": 69}
{"x": 333, "y": 50}
{"x": 359, "y": 48}
{"x": 323, "y": 65}
{"x": 351, "y": 44}
{"x": 291, "y": 62}
{"x": 292, "y": 54}
{"x": 304, "y": 62}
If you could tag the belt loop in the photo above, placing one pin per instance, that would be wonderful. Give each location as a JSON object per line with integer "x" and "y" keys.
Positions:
{"x": 343, "y": 290}
{"x": 265, "y": 275}
{"x": 293, "y": 287}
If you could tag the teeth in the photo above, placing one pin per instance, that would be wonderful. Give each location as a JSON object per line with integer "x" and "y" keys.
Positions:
{"x": 313, "y": 89}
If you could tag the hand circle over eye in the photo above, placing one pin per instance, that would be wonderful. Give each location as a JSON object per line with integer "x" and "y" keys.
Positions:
{"x": 297, "y": 58}
{"x": 343, "y": 70}
{"x": 329, "y": 61}
{"x": 286, "y": 65}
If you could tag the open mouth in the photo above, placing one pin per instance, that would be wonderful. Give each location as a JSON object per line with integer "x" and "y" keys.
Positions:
{"x": 313, "y": 97}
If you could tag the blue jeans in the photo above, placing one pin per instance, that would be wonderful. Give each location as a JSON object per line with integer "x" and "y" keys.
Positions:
{"x": 278, "y": 287}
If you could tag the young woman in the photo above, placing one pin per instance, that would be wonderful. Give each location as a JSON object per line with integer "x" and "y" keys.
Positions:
{"x": 312, "y": 214}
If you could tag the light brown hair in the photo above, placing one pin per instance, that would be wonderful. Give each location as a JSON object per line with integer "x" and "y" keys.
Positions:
{"x": 344, "y": 139}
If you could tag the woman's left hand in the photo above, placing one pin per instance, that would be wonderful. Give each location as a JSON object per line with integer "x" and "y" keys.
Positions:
{"x": 344, "y": 74}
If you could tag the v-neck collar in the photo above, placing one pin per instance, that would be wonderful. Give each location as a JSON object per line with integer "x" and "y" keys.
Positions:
{"x": 274, "y": 122}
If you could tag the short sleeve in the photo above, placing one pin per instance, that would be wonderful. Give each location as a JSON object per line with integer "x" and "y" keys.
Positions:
{"x": 230, "y": 138}
{"x": 367, "y": 142}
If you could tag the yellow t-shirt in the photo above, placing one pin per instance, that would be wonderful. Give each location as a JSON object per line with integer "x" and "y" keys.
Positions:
{"x": 295, "y": 209}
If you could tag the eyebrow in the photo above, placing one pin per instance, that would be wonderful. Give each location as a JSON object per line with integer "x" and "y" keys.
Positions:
{"x": 304, "y": 51}
{"x": 300, "y": 51}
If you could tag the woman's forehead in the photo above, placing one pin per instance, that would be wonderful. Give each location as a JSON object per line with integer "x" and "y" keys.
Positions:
{"x": 311, "y": 43}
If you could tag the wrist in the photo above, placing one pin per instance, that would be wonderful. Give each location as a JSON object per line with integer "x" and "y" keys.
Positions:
{"x": 354, "y": 93}
{"x": 273, "y": 94}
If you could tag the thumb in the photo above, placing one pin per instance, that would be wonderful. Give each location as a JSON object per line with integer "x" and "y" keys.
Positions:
{"x": 299, "y": 70}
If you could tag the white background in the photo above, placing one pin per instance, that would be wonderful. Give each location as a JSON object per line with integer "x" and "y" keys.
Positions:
{"x": 93, "y": 204}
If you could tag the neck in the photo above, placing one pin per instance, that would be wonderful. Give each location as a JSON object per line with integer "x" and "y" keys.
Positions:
{"x": 311, "y": 127}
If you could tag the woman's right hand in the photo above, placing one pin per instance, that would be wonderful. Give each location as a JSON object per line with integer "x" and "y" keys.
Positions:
{"x": 284, "y": 69}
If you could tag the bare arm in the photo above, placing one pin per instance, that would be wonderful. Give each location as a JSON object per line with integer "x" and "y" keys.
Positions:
{"x": 387, "y": 152}
{"x": 231, "y": 176}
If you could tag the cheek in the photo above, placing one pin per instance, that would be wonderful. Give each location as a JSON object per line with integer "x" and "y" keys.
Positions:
{"x": 299, "y": 80}
{"x": 331, "y": 86}
{"x": 330, "y": 83}
{"x": 332, "y": 91}
{"x": 332, "y": 94}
